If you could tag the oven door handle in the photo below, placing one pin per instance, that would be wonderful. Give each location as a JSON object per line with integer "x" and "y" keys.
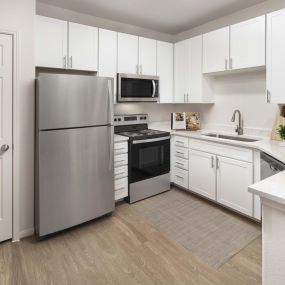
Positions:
{"x": 151, "y": 140}
{"x": 154, "y": 89}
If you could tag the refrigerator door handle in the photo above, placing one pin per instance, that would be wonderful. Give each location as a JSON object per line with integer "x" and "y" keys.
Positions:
{"x": 110, "y": 94}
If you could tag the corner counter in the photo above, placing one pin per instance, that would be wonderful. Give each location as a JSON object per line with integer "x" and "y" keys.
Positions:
{"x": 272, "y": 194}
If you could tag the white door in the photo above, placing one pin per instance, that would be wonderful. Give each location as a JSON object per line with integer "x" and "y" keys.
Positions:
{"x": 165, "y": 71}
{"x": 181, "y": 71}
{"x": 248, "y": 44}
{"x": 202, "y": 173}
{"x": 50, "y": 42}
{"x": 6, "y": 69}
{"x": 128, "y": 53}
{"x": 147, "y": 56}
{"x": 108, "y": 56}
{"x": 83, "y": 47}
{"x": 195, "y": 76}
{"x": 233, "y": 179}
{"x": 276, "y": 57}
{"x": 216, "y": 50}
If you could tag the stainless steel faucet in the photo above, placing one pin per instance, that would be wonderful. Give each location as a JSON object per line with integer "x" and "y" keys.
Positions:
{"x": 239, "y": 128}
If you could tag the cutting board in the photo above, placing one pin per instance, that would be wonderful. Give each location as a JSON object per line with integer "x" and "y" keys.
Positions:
{"x": 280, "y": 120}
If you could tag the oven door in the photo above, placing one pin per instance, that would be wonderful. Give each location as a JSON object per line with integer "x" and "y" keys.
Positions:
{"x": 138, "y": 88}
{"x": 149, "y": 158}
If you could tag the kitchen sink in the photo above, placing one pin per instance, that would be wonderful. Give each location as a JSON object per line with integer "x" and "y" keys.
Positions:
{"x": 228, "y": 137}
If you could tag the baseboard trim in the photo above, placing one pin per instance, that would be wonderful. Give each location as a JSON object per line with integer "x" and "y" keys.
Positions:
{"x": 26, "y": 233}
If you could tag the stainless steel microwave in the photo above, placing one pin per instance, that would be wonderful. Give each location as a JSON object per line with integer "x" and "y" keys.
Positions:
{"x": 137, "y": 88}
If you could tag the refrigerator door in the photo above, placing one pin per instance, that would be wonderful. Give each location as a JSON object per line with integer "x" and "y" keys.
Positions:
{"x": 70, "y": 101}
{"x": 75, "y": 177}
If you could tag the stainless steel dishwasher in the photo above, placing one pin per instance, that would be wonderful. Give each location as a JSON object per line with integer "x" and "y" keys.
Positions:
{"x": 270, "y": 166}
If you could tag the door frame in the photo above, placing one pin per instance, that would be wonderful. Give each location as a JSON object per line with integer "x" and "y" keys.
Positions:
{"x": 15, "y": 137}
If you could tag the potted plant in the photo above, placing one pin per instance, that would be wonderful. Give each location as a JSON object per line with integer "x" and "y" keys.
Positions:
{"x": 281, "y": 132}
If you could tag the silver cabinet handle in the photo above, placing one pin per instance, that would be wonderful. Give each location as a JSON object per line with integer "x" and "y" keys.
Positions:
{"x": 141, "y": 69}
{"x": 217, "y": 163}
{"x": 184, "y": 98}
{"x": 154, "y": 89}
{"x": 179, "y": 176}
{"x": 137, "y": 69}
{"x": 268, "y": 95}
{"x": 64, "y": 62}
{"x": 4, "y": 147}
{"x": 70, "y": 62}
{"x": 231, "y": 63}
{"x": 187, "y": 98}
{"x": 212, "y": 161}
{"x": 226, "y": 64}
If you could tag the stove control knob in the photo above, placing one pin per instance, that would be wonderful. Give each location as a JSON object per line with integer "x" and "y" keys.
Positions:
{"x": 115, "y": 120}
{"x": 119, "y": 119}
{"x": 145, "y": 118}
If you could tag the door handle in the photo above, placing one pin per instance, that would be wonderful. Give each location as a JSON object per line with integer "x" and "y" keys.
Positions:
{"x": 64, "y": 62}
{"x": 217, "y": 163}
{"x": 141, "y": 69}
{"x": 154, "y": 89}
{"x": 268, "y": 96}
{"x": 212, "y": 162}
{"x": 231, "y": 63}
{"x": 226, "y": 64}
{"x": 4, "y": 147}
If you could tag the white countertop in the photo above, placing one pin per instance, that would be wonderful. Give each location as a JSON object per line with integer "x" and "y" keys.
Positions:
{"x": 263, "y": 144}
{"x": 272, "y": 188}
{"x": 118, "y": 138}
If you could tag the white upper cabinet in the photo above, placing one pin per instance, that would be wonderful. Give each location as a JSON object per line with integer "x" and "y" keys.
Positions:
{"x": 128, "y": 46}
{"x": 165, "y": 71}
{"x": 50, "y": 42}
{"x": 181, "y": 71}
{"x": 216, "y": 50}
{"x": 108, "y": 56}
{"x": 147, "y": 56}
{"x": 247, "y": 44}
{"x": 190, "y": 84}
{"x": 276, "y": 57}
{"x": 83, "y": 47}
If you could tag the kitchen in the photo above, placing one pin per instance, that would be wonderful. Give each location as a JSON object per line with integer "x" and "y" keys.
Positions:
{"x": 231, "y": 67}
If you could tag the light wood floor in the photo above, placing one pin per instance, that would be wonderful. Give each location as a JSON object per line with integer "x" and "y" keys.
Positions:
{"x": 121, "y": 249}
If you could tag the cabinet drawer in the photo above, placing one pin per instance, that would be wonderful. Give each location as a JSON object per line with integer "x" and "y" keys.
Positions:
{"x": 181, "y": 152}
{"x": 120, "y": 147}
{"x": 181, "y": 141}
{"x": 121, "y": 172}
{"x": 121, "y": 188}
{"x": 181, "y": 163}
{"x": 180, "y": 177}
{"x": 120, "y": 160}
{"x": 225, "y": 150}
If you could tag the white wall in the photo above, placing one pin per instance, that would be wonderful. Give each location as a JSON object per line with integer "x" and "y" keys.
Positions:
{"x": 18, "y": 16}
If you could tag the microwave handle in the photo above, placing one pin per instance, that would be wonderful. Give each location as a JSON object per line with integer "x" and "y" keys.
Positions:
{"x": 154, "y": 88}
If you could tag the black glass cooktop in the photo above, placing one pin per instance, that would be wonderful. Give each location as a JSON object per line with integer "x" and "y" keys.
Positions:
{"x": 144, "y": 134}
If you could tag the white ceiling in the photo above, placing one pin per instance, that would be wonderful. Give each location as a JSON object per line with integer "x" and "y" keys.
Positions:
{"x": 168, "y": 16}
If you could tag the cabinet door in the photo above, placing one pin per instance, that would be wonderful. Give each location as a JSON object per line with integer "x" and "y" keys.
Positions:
{"x": 181, "y": 71}
{"x": 248, "y": 44}
{"x": 202, "y": 173}
{"x": 83, "y": 47}
{"x": 195, "y": 94}
{"x": 50, "y": 42}
{"x": 165, "y": 71}
{"x": 216, "y": 50}
{"x": 147, "y": 56}
{"x": 127, "y": 53}
{"x": 233, "y": 179}
{"x": 276, "y": 57}
{"x": 108, "y": 56}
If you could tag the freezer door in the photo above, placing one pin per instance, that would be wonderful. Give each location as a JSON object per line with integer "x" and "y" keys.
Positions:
{"x": 75, "y": 177}
{"x": 69, "y": 101}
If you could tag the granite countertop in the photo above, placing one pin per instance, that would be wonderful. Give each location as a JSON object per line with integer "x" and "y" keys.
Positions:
{"x": 118, "y": 138}
{"x": 272, "y": 188}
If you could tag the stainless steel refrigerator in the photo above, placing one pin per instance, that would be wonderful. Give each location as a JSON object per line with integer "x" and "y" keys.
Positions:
{"x": 74, "y": 150}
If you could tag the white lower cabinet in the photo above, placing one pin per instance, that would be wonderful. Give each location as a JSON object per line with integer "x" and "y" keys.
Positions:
{"x": 202, "y": 173}
{"x": 233, "y": 179}
{"x": 121, "y": 170}
{"x": 219, "y": 172}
